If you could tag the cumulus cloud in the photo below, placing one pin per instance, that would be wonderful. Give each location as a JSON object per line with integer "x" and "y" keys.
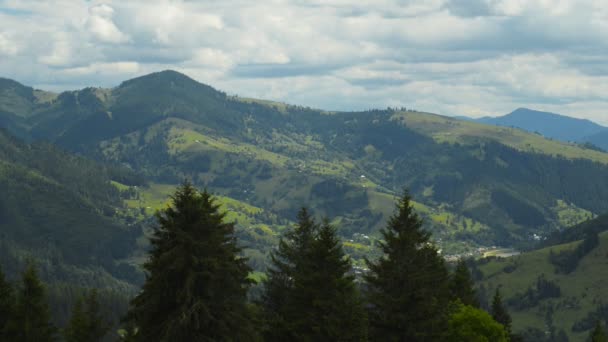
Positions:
{"x": 454, "y": 57}
{"x": 101, "y": 26}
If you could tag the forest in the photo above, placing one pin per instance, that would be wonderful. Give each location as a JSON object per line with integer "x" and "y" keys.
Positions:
{"x": 91, "y": 222}
{"x": 198, "y": 287}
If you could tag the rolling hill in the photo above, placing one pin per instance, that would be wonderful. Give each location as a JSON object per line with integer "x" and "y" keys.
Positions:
{"x": 81, "y": 202}
{"x": 541, "y": 297}
{"x": 476, "y": 185}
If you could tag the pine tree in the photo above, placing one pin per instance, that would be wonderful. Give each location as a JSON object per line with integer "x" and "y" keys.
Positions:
{"x": 407, "y": 287}
{"x": 7, "y": 305}
{"x": 197, "y": 283}
{"x": 287, "y": 261}
{"x": 329, "y": 302}
{"x": 500, "y": 313}
{"x": 309, "y": 294}
{"x": 462, "y": 286}
{"x": 598, "y": 334}
{"x": 86, "y": 322}
{"x": 31, "y": 320}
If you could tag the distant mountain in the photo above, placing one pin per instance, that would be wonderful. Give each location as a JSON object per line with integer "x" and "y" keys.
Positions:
{"x": 550, "y": 125}
{"x": 598, "y": 139}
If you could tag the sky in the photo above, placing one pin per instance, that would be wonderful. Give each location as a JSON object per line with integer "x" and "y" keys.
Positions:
{"x": 452, "y": 57}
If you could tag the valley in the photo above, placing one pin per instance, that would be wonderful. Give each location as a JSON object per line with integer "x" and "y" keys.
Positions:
{"x": 119, "y": 153}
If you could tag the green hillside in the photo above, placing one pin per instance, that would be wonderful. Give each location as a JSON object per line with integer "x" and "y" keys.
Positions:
{"x": 445, "y": 129}
{"x": 528, "y": 283}
{"x": 476, "y": 185}
{"x": 62, "y": 209}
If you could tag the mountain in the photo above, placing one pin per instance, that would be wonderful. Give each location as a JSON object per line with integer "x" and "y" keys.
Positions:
{"x": 56, "y": 206}
{"x": 554, "y": 126}
{"x": 539, "y": 294}
{"x": 476, "y": 184}
{"x": 598, "y": 139}
{"x": 81, "y": 203}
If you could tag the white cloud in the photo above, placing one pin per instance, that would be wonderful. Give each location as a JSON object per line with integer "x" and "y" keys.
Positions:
{"x": 117, "y": 68}
{"x": 101, "y": 26}
{"x": 473, "y": 57}
{"x": 7, "y": 46}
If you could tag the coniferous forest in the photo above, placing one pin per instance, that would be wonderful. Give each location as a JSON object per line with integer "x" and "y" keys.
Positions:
{"x": 198, "y": 288}
{"x": 294, "y": 224}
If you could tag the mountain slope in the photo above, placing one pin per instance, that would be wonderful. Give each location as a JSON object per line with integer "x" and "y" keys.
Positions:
{"x": 526, "y": 282}
{"x": 55, "y": 206}
{"x": 476, "y": 184}
{"x": 550, "y": 125}
{"x": 598, "y": 139}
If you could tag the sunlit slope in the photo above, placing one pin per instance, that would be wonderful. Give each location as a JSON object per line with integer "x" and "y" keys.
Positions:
{"x": 582, "y": 292}
{"x": 450, "y": 130}
{"x": 479, "y": 187}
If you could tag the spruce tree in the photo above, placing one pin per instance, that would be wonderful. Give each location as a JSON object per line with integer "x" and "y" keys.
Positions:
{"x": 462, "y": 286}
{"x": 598, "y": 334}
{"x": 500, "y": 313}
{"x": 407, "y": 287}
{"x": 196, "y": 284}
{"x": 7, "y": 305}
{"x": 331, "y": 308}
{"x": 86, "y": 322}
{"x": 310, "y": 294}
{"x": 31, "y": 319}
{"x": 287, "y": 262}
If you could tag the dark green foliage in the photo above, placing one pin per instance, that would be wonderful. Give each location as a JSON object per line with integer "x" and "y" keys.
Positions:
{"x": 309, "y": 294}
{"x": 561, "y": 336}
{"x": 7, "y": 305}
{"x": 196, "y": 282}
{"x": 531, "y": 334}
{"x": 86, "y": 323}
{"x": 56, "y": 203}
{"x": 567, "y": 261}
{"x": 286, "y": 263}
{"x": 462, "y": 286}
{"x": 578, "y": 232}
{"x": 31, "y": 319}
{"x": 470, "y": 324}
{"x": 407, "y": 287}
{"x": 542, "y": 289}
{"x": 499, "y": 312}
{"x": 600, "y": 314}
{"x": 598, "y": 334}
{"x": 521, "y": 212}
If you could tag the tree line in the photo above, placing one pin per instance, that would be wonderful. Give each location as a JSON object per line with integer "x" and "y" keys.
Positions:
{"x": 197, "y": 282}
{"x": 197, "y": 285}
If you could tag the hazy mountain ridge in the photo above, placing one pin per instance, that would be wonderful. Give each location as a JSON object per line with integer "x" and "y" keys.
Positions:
{"x": 554, "y": 126}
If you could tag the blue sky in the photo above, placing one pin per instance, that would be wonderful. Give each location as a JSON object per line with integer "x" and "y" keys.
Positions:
{"x": 453, "y": 57}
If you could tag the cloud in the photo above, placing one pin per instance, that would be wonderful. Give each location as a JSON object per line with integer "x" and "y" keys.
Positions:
{"x": 7, "y": 46}
{"x": 454, "y": 57}
{"x": 101, "y": 26}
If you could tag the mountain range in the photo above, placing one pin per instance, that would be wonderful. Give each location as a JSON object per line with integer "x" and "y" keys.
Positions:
{"x": 86, "y": 170}
{"x": 554, "y": 126}
{"x": 475, "y": 183}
